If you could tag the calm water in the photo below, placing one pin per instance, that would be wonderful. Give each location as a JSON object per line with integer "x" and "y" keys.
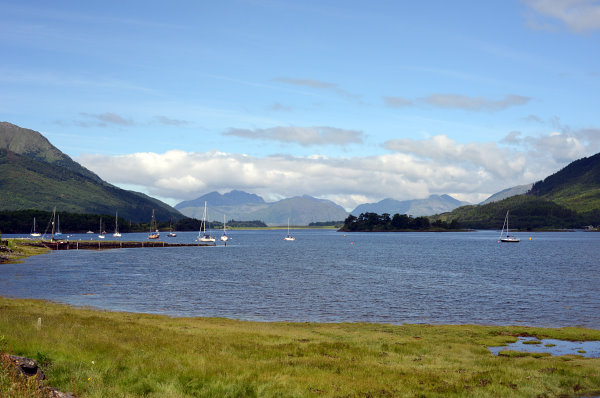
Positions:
{"x": 326, "y": 276}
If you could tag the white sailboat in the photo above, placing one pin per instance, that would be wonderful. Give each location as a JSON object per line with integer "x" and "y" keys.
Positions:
{"x": 203, "y": 236}
{"x": 101, "y": 233}
{"x": 33, "y": 231}
{"x": 507, "y": 237}
{"x": 117, "y": 234}
{"x": 289, "y": 237}
{"x": 57, "y": 233}
{"x": 53, "y": 243}
{"x": 224, "y": 237}
{"x": 154, "y": 234}
{"x": 171, "y": 234}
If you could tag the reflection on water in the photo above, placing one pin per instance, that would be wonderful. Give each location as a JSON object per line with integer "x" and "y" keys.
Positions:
{"x": 326, "y": 276}
{"x": 589, "y": 349}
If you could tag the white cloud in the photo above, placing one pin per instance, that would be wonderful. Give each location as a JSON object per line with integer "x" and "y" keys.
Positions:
{"x": 318, "y": 84}
{"x": 414, "y": 169}
{"x": 457, "y": 101}
{"x": 305, "y": 136}
{"x": 577, "y": 15}
{"x": 170, "y": 122}
{"x": 397, "y": 102}
{"x": 104, "y": 119}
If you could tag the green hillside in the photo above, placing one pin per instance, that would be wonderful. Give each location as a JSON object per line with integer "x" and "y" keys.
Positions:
{"x": 569, "y": 198}
{"x": 41, "y": 178}
{"x": 35, "y": 146}
{"x": 526, "y": 212}
{"x": 576, "y": 187}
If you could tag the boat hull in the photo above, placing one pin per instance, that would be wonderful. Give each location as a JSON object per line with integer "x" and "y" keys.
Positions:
{"x": 510, "y": 240}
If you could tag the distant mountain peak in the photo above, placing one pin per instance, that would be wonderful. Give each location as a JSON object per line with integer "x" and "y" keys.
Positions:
{"x": 416, "y": 207}
{"x": 233, "y": 198}
{"x": 301, "y": 210}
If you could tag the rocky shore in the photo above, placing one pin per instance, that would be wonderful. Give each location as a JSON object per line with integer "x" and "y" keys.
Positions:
{"x": 25, "y": 369}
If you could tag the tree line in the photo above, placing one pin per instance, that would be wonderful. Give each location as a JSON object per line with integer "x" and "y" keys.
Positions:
{"x": 21, "y": 222}
{"x": 373, "y": 222}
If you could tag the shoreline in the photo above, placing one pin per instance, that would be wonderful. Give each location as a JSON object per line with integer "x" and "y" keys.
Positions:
{"x": 104, "y": 353}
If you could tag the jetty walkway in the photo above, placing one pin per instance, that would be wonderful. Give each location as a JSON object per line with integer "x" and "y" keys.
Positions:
{"x": 110, "y": 244}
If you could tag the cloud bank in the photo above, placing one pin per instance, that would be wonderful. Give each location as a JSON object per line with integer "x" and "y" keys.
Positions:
{"x": 412, "y": 169}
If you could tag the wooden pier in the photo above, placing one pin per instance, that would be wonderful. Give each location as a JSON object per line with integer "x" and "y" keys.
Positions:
{"x": 110, "y": 244}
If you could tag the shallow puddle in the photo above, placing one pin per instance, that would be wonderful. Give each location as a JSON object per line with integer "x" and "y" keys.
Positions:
{"x": 589, "y": 349}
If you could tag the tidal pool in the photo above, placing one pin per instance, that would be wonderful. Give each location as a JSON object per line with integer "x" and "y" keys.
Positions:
{"x": 589, "y": 349}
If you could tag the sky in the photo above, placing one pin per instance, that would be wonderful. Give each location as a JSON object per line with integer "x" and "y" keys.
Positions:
{"x": 352, "y": 101}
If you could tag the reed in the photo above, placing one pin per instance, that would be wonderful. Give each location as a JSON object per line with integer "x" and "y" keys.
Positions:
{"x": 111, "y": 354}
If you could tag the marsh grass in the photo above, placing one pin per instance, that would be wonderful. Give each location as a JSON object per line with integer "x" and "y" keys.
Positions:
{"x": 20, "y": 249}
{"x": 108, "y": 354}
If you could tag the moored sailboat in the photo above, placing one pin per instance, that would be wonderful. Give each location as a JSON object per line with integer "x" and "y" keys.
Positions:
{"x": 171, "y": 234}
{"x": 117, "y": 234}
{"x": 34, "y": 233}
{"x": 58, "y": 233}
{"x": 289, "y": 237}
{"x": 224, "y": 237}
{"x": 53, "y": 243}
{"x": 203, "y": 236}
{"x": 507, "y": 237}
{"x": 154, "y": 234}
{"x": 101, "y": 234}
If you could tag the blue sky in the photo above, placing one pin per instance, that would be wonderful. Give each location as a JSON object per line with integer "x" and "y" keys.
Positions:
{"x": 346, "y": 100}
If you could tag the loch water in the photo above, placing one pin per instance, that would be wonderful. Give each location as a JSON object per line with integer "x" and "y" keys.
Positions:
{"x": 327, "y": 276}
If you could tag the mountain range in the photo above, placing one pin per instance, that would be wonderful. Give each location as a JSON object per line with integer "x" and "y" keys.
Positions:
{"x": 302, "y": 210}
{"x": 36, "y": 175}
{"x": 243, "y": 206}
{"x": 434, "y": 204}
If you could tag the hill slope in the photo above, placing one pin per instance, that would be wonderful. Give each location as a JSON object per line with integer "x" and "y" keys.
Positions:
{"x": 569, "y": 198}
{"x": 576, "y": 186}
{"x": 36, "y": 175}
{"x": 507, "y": 193}
{"x": 526, "y": 212}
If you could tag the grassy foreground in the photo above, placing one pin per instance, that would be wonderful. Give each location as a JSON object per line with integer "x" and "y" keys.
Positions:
{"x": 109, "y": 354}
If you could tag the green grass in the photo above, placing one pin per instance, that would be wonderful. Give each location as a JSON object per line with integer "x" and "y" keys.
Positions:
{"x": 19, "y": 249}
{"x": 108, "y": 354}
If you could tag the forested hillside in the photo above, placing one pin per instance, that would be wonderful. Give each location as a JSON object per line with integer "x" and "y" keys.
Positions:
{"x": 36, "y": 175}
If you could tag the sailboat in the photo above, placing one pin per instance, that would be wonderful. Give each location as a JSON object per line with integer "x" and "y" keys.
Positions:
{"x": 52, "y": 243}
{"x": 171, "y": 234}
{"x": 507, "y": 237}
{"x": 289, "y": 237}
{"x": 203, "y": 236}
{"x": 154, "y": 234}
{"x": 101, "y": 233}
{"x": 224, "y": 237}
{"x": 117, "y": 234}
{"x": 57, "y": 233}
{"x": 33, "y": 231}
